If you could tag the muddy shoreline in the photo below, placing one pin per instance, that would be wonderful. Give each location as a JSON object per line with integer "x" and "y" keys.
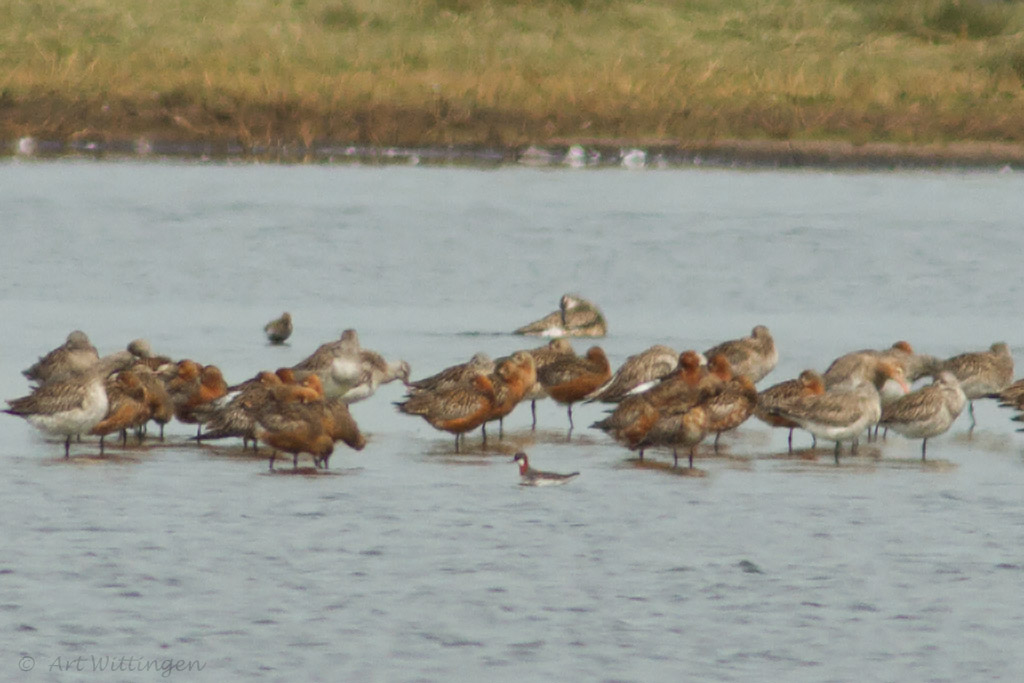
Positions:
{"x": 578, "y": 154}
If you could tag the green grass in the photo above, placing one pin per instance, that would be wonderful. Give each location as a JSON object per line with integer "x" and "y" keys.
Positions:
{"x": 512, "y": 72}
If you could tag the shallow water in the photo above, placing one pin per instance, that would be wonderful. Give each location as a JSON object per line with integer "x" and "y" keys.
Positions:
{"x": 408, "y": 562}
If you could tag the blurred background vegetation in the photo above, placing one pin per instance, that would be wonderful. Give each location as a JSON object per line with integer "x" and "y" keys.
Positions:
{"x": 514, "y": 72}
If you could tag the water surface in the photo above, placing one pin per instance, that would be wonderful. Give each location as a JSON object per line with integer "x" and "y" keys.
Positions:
{"x": 408, "y": 562}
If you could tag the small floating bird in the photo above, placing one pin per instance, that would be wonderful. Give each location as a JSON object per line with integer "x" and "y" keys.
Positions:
{"x": 570, "y": 378}
{"x": 70, "y": 407}
{"x": 927, "y": 412}
{"x": 576, "y": 317}
{"x": 981, "y": 373}
{"x": 532, "y": 477}
{"x": 279, "y": 329}
{"x": 75, "y": 355}
{"x": 809, "y": 383}
{"x": 636, "y": 373}
{"x": 754, "y": 356}
{"x": 457, "y": 410}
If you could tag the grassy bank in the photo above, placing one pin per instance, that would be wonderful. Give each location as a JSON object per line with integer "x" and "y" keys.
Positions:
{"x": 514, "y": 72}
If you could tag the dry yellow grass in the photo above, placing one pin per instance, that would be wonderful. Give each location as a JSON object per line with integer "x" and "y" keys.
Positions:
{"x": 507, "y": 72}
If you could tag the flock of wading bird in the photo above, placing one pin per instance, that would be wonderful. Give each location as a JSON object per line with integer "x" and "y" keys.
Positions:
{"x": 663, "y": 399}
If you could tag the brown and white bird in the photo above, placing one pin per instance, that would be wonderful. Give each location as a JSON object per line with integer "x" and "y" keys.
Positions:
{"x": 542, "y": 357}
{"x": 981, "y": 373}
{"x": 457, "y": 410}
{"x": 279, "y": 329}
{"x": 531, "y": 477}
{"x": 575, "y": 317}
{"x": 809, "y": 382}
{"x": 70, "y": 407}
{"x": 455, "y": 374}
{"x": 926, "y": 412}
{"x": 754, "y": 356}
{"x": 74, "y": 356}
{"x": 842, "y": 413}
{"x": 636, "y": 373}
{"x": 569, "y": 379}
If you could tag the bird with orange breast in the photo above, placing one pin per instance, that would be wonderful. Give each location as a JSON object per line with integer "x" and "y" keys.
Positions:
{"x": 128, "y": 407}
{"x": 294, "y": 427}
{"x": 193, "y": 387}
{"x": 637, "y": 413}
{"x": 569, "y": 379}
{"x": 235, "y": 412}
{"x": 511, "y": 379}
{"x": 542, "y": 357}
{"x": 457, "y": 410}
{"x": 809, "y": 382}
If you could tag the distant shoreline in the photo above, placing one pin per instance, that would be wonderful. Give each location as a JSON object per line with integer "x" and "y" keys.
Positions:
{"x": 586, "y": 153}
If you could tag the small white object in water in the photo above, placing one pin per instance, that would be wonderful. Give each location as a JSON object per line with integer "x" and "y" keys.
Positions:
{"x": 634, "y": 158}
{"x": 27, "y": 146}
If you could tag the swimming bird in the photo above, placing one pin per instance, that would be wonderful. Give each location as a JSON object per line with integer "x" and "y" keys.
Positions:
{"x": 570, "y": 378}
{"x": 532, "y": 477}
{"x": 70, "y": 407}
{"x": 842, "y": 413}
{"x": 75, "y": 355}
{"x": 279, "y": 329}
{"x": 809, "y": 383}
{"x": 754, "y": 356}
{"x": 927, "y": 412}
{"x": 636, "y": 373}
{"x": 981, "y": 373}
{"x": 542, "y": 357}
{"x": 575, "y": 317}
{"x": 457, "y": 410}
